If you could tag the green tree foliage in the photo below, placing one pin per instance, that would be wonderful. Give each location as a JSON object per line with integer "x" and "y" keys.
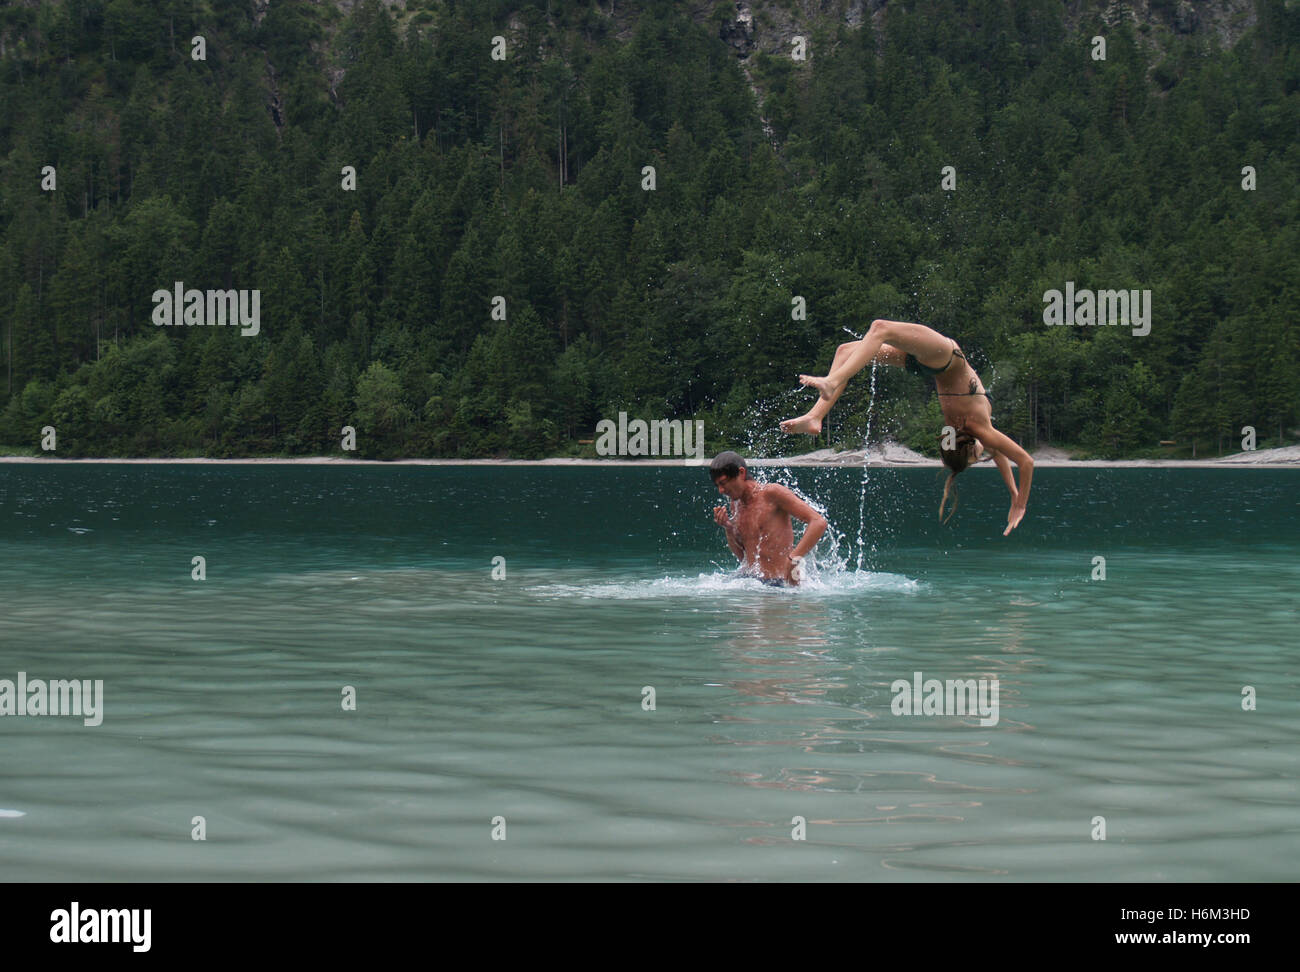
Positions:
{"x": 522, "y": 178}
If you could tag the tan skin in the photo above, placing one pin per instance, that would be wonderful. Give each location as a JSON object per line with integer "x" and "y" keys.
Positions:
{"x": 889, "y": 342}
{"x": 758, "y": 526}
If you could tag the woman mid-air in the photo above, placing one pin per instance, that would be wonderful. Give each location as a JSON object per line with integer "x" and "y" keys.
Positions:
{"x": 965, "y": 403}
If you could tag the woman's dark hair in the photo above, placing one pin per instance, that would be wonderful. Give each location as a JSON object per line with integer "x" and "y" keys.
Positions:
{"x": 956, "y": 459}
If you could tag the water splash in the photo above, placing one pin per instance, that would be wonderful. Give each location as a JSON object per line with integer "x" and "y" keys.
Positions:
{"x": 762, "y": 434}
{"x": 821, "y": 581}
{"x": 761, "y": 437}
{"x": 866, "y": 456}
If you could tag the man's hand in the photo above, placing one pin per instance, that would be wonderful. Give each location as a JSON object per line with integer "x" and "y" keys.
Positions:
{"x": 794, "y": 570}
{"x": 1016, "y": 515}
{"x": 722, "y": 519}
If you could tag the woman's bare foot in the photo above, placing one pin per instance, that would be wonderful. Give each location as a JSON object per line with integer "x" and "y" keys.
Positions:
{"x": 825, "y": 387}
{"x": 804, "y": 423}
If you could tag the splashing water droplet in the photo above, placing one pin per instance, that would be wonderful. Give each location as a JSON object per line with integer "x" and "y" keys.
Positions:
{"x": 866, "y": 457}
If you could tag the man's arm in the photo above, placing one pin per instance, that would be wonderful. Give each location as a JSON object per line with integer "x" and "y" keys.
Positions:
{"x": 721, "y": 517}
{"x": 797, "y": 508}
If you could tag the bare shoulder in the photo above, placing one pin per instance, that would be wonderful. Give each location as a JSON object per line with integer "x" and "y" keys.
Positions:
{"x": 777, "y": 493}
{"x": 786, "y": 500}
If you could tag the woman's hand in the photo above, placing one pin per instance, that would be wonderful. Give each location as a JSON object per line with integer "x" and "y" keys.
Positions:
{"x": 1016, "y": 515}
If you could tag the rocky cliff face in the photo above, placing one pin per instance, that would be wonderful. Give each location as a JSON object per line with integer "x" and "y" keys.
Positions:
{"x": 770, "y": 25}
{"x": 1225, "y": 20}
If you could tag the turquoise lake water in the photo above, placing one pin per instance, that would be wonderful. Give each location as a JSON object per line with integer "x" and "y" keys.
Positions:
{"x": 522, "y": 697}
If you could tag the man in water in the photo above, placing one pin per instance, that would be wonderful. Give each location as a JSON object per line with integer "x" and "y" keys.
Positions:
{"x": 758, "y": 526}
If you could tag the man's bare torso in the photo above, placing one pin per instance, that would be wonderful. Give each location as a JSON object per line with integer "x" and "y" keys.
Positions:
{"x": 766, "y": 533}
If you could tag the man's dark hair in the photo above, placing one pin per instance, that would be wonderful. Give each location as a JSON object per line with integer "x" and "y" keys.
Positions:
{"x": 727, "y": 464}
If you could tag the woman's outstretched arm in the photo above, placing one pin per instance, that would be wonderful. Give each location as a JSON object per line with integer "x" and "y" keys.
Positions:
{"x": 1004, "y": 467}
{"x": 991, "y": 437}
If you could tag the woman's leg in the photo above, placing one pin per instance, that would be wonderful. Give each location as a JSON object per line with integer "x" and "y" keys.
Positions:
{"x": 925, "y": 343}
{"x": 812, "y": 424}
{"x": 842, "y": 352}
